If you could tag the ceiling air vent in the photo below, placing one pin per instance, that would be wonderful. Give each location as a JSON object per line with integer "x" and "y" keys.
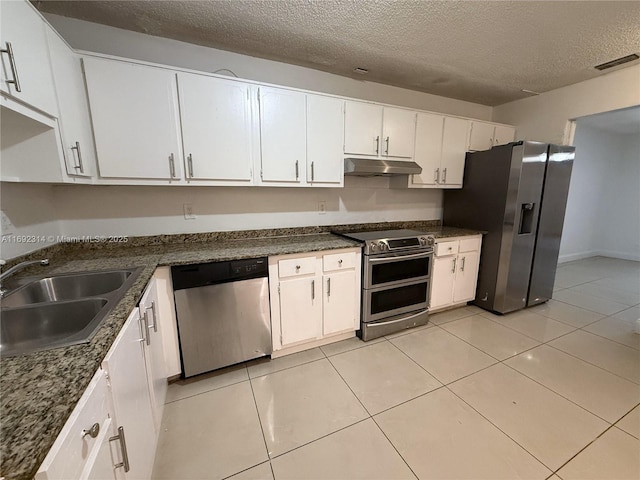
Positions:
{"x": 617, "y": 61}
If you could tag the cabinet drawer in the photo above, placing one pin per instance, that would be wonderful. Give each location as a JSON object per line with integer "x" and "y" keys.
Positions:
{"x": 71, "y": 450}
{"x": 446, "y": 248}
{"x": 296, "y": 266}
{"x": 338, "y": 261}
{"x": 469, "y": 244}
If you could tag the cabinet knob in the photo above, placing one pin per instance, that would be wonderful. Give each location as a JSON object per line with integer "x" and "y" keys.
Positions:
{"x": 340, "y": 262}
{"x": 297, "y": 267}
{"x": 92, "y": 432}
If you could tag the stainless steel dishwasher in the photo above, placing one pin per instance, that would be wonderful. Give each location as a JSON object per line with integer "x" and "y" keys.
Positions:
{"x": 223, "y": 313}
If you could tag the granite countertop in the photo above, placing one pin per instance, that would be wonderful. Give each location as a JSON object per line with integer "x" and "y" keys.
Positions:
{"x": 40, "y": 390}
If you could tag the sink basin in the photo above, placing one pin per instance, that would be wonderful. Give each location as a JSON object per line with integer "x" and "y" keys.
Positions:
{"x": 60, "y": 310}
{"x": 50, "y": 325}
{"x": 67, "y": 287}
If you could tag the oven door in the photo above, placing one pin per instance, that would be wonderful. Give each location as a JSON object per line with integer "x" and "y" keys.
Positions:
{"x": 383, "y": 302}
{"x": 396, "y": 268}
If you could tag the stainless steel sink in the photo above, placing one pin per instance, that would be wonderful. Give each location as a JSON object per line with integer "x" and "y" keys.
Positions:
{"x": 67, "y": 287}
{"x": 60, "y": 310}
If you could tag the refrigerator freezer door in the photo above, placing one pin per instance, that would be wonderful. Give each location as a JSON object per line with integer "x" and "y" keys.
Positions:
{"x": 520, "y": 225}
{"x": 554, "y": 201}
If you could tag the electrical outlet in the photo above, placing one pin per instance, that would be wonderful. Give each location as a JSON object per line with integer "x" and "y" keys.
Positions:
{"x": 322, "y": 207}
{"x": 6, "y": 226}
{"x": 188, "y": 212}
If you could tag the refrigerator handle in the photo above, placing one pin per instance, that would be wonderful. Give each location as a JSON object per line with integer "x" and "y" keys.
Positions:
{"x": 526, "y": 218}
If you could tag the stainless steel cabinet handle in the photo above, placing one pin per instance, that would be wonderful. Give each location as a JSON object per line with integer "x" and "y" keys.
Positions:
{"x": 444, "y": 175}
{"x": 77, "y": 149}
{"x": 123, "y": 449}
{"x": 453, "y": 268}
{"x": 387, "y": 141}
{"x": 377, "y": 144}
{"x": 312, "y": 172}
{"x": 12, "y": 65}
{"x": 153, "y": 312}
{"x": 297, "y": 170}
{"x": 190, "y": 164}
{"x": 462, "y": 264}
{"x": 313, "y": 289}
{"x": 145, "y": 328}
{"x": 437, "y": 175}
{"x": 329, "y": 287}
{"x": 172, "y": 166}
{"x": 92, "y": 432}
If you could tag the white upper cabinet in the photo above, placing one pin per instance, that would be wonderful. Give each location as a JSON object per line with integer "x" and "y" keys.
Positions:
{"x": 26, "y": 72}
{"x": 440, "y": 149}
{"x": 485, "y": 135}
{"x": 398, "y": 132}
{"x": 283, "y": 130}
{"x": 503, "y": 134}
{"x": 454, "y": 140}
{"x": 216, "y": 128}
{"x": 428, "y": 148}
{"x": 134, "y": 110}
{"x": 375, "y": 130}
{"x": 362, "y": 128}
{"x": 325, "y": 140}
{"x": 77, "y": 139}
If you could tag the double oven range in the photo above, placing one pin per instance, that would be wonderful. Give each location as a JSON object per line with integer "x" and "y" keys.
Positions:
{"x": 396, "y": 278}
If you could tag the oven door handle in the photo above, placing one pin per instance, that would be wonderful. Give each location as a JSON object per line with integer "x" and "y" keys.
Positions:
{"x": 400, "y": 257}
{"x": 395, "y": 320}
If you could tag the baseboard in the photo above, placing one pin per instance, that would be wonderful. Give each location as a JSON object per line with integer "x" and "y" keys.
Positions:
{"x": 621, "y": 255}
{"x": 571, "y": 257}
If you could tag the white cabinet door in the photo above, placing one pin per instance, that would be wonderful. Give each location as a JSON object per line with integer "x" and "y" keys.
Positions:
{"x": 283, "y": 130}
{"x": 154, "y": 351}
{"x": 339, "y": 302}
{"x": 134, "y": 110}
{"x": 428, "y": 152}
{"x": 300, "y": 310}
{"x": 325, "y": 140}
{"x": 25, "y": 72}
{"x": 362, "y": 128}
{"x": 503, "y": 135}
{"x": 442, "y": 281}
{"x": 398, "y": 132}
{"x": 481, "y": 137}
{"x": 466, "y": 277}
{"x": 454, "y": 141}
{"x": 75, "y": 123}
{"x": 125, "y": 366}
{"x": 216, "y": 128}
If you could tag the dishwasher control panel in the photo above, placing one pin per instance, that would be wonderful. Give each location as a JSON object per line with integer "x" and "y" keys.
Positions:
{"x": 202, "y": 274}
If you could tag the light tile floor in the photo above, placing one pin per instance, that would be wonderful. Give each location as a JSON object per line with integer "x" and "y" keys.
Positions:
{"x": 550, "y": 392}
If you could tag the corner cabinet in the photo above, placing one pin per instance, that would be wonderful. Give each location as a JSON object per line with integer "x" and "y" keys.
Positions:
{"x": 455, "y": 271}
{"x": 315, "y": 298}
{"x": 134, "y": 111}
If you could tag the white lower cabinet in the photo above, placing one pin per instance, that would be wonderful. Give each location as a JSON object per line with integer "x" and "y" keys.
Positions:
{"x": 132, "y": 406}
{"x": 314, "y": 296}
{"x": 455, "y": 271}
{"x": 82, "y": 449}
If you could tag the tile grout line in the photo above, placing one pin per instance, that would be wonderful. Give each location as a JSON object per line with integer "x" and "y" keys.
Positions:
{"x": 264, "y": 437}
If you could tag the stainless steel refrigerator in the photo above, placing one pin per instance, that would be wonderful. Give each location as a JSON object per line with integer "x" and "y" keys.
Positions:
{"x": 517, "y": 193}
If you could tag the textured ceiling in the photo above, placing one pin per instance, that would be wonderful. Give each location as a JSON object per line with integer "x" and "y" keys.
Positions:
{"x": 481, "y": 51}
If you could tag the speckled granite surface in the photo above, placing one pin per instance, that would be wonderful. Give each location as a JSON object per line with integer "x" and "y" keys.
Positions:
{"x": 450, "y": 232}
{"x": 40, "y": 390}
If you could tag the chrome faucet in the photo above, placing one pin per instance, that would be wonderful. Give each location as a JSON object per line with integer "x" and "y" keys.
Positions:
{"x": 15, "y": 269}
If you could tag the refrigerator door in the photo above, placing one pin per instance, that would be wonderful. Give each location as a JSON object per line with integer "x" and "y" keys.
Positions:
{"x": 554, "y": 202}
{"x": 520, "y": 226}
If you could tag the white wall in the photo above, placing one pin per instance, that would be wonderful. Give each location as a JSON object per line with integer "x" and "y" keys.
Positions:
{"x": 113, "y": 41}
{"x": 31, "y": 210}
{"x": 602, "y": 208}
{"x": 544, "y": 117}
{"x": 124, "y": 210}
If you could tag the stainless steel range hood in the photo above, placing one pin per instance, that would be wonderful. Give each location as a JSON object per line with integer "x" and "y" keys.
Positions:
{"x": 368, "y": 167}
